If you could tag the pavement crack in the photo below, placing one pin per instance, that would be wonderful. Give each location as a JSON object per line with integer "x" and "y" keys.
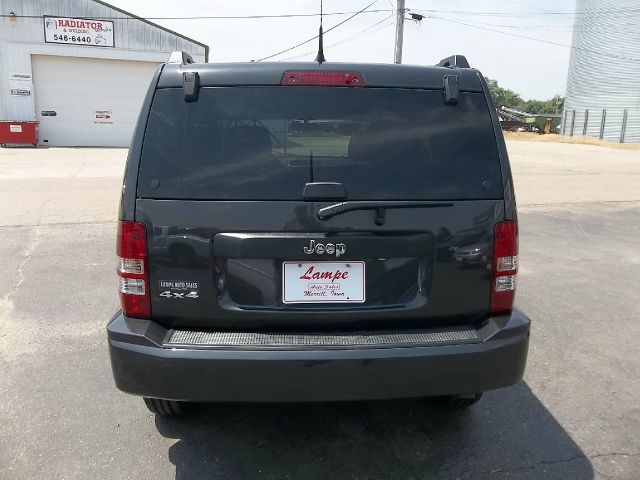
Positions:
{"x": 77, "y": 172}
{"x": 614, "y": 454}
{"x": 7, "y": 302}
{"x": 540, "y": 463}
{"x": 56, "y": 224}
{"x": 28, "y": 252}
{"x": 585, "y": 203}
{"x": 546, "y": 463}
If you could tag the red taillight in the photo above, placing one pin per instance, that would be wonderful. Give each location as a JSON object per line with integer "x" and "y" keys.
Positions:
{"x": 505, "y": 266}
{"x": 325, "y": 78}
{"x": 133, "y": 269}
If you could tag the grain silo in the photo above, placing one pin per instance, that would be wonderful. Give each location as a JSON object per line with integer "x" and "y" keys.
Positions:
{"x": 603, "y": 87}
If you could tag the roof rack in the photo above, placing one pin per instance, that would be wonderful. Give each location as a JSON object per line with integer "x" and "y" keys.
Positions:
{"x": 454, "y": 61}
{"x": 180, "y": 58}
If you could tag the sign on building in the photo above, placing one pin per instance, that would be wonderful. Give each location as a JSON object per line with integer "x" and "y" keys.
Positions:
{"x": 103, "y": 117}
{"x": 78, "y": 31}
{"x": 20, "y": 84}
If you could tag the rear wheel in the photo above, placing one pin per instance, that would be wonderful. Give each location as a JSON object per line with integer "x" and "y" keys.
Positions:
{"x": 166, "y": 408}
{"x": 463, "y": 400}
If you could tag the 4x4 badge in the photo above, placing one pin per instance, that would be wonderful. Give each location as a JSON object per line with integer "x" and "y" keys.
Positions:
{"x": 178, "y": 289}
{"x": 328, "y": 248}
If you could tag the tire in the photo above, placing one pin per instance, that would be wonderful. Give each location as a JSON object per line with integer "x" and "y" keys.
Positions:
{"x": 166, "y": 408}
{"x": 462, "y": 401}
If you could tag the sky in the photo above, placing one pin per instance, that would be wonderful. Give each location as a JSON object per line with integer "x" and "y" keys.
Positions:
{"x": 532, "y": 68}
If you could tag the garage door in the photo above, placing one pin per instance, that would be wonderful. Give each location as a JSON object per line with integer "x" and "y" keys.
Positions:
{"x": 88, "y": 101}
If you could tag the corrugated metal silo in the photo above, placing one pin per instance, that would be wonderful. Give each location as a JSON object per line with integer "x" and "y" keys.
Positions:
{"x": 604, "y": 71}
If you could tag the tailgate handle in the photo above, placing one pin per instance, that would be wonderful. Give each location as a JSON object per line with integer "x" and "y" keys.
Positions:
{"x": 324, "y": 191}
{"x": 279, "y": 245}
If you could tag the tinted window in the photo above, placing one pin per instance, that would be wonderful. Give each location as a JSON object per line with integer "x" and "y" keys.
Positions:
{"x": 249, "y": 143}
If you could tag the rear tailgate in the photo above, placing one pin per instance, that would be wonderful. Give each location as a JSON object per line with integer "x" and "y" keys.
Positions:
{"x": 232, "y": 243}
{"x": 411, "y": 271}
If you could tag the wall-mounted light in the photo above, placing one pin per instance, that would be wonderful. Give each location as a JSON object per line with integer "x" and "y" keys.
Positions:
{"x": 12, "y": 16}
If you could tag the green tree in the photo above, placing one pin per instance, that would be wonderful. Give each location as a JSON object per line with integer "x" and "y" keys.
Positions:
{"x": 503, "y": 97}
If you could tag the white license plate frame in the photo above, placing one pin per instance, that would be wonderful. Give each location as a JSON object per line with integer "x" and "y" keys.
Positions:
{"x": 351, "y": 289}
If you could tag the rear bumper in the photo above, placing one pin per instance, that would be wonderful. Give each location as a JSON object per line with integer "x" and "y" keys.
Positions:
{"x": 144, "y": 363}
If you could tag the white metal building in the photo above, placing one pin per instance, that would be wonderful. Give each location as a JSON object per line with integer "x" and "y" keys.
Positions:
{"x": 603, "y": 86}
{"x": 80, "y": 67}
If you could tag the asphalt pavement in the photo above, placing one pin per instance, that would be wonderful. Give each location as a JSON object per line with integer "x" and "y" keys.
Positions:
{"x": 576, "y": 415}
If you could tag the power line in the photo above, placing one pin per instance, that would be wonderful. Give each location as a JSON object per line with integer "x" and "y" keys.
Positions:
{"x": 526, "y": 27}
{"x": 557, "y": 27}
{"x": 379, "y": 10}
{"x": 588, "y": 50}
{"x": 514, "y": 2}
{"x": 222, "y": 17}
{"x": 351, "y": 37}
{"x": 529, "y": 14}
{"x": 367, "y": 31}
{"x": 313, "y": 38}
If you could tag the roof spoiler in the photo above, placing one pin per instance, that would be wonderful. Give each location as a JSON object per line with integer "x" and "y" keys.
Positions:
{"x": 180, "y": 58}
{"x": 454, "y": 61}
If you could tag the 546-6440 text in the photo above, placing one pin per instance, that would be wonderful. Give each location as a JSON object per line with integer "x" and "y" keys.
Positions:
{"x": 71, "y": 38}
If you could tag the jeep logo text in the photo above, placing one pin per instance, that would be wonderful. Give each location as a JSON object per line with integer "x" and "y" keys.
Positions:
{"x": 328, "y": 248}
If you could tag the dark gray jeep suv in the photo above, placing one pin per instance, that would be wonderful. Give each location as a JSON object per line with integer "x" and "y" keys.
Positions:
{"x": 301, "y": 232}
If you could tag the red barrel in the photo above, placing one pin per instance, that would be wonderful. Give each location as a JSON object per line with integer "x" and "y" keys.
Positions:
{"x": 18, "y": 132}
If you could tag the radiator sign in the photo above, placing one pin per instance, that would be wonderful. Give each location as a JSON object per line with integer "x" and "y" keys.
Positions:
{"x": 78, "y": 31}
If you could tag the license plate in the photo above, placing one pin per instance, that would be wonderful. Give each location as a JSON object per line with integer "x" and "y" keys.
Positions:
{"x": 323, "y": 282}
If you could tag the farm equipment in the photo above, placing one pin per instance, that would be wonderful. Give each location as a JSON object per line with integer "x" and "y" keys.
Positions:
{"x": 514, "y": 120}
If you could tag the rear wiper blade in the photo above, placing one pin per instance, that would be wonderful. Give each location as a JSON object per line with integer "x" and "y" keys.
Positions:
{"x": 342, "y": 207}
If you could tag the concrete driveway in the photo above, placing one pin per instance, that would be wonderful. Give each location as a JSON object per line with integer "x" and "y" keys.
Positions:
{"x": 576, "y": 414}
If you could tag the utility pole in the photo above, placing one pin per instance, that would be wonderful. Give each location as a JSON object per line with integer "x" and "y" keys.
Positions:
{"x": 399, "y": 31}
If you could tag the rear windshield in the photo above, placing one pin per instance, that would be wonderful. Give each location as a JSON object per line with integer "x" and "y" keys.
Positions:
{"x": 266, "y": 143}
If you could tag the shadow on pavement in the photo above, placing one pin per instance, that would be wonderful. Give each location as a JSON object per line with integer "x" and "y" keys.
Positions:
{"x": 509, "y": 434}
